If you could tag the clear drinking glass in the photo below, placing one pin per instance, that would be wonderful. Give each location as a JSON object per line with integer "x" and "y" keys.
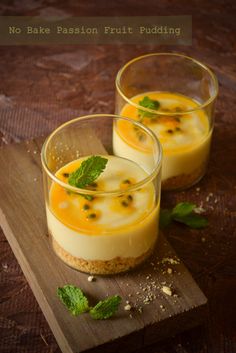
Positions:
{"x": 109, "y": 225}
{"x": 174, "y": 95}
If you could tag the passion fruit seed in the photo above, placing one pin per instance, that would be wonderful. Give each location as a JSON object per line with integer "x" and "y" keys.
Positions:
{"x": 86, "y": 207}
{"x": 91, "y": 216}
{"x": 141, "y": 137}
{"x": 178, "y": 109}
{"x": 126, "y": 181}
{"x": 89, "y": 197}
{"x": 130, "y": 197}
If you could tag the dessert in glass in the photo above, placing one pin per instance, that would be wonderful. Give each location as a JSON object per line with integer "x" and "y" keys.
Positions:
{"x": 102, "y": 209}
{"x": 174, "y": 95}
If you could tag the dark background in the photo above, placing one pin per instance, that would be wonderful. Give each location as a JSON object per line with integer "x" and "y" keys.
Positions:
{"x": 43, "y": 86}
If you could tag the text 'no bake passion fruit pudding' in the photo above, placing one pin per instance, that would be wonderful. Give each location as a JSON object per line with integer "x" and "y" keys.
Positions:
{"x": 102, "y": 209}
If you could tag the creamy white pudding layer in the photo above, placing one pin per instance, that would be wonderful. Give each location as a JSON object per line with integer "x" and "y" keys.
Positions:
{"x": 132, "y": 241}
{"x": 186, "y": 162}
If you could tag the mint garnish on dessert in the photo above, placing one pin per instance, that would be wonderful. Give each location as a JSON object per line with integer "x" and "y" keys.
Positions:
{"x": 77, "y": 303}
{"x": 183, "y": 212}
{"x": 149, "y": 103}
{"x": 88, "y": 172}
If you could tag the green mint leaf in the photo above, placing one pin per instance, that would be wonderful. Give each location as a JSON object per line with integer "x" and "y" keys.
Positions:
{"x": 184, "y": 213}
{"x": 149, "y": 103}
{"x": 193, "y": 220}
{"x": 74, "y": 299}
{"x": 105, "y": 308}
{"x": 88, "y": 172}
{"x": 183, "y": 209}
{"x": 165, "y": 218}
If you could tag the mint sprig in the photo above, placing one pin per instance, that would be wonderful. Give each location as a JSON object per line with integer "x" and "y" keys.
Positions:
{"x": 88, "y": 172}
{"x": 77, "y": 303}
{"x": 105, "y": 308}
{"x": 183, "y": 209}
{"x": 149, "y": 103}
{"x": 74, "y": 299}
{"x": 193, "y": 220}
{"x": 184, "y": 213}
{"x": 165, "y": 218}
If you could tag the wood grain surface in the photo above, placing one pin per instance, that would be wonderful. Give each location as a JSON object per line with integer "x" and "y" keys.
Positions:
{"x": 41, "y": 87}
{"x": 22, "y": 217}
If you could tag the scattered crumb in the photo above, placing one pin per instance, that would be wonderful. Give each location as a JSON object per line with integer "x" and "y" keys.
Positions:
{"x": 209, "y": 196}
{"x": 199, "y": 210}
{"x": 170, "y": 260}
{"x": 35, "y": 152}
{"x": 127, "y": 307}
{"x": 162, "y": 307}
{"x": 35, "y": 179}
{"x": 166, "y": 290}
{"x": 91, "y": 278}
{"x": 5, "y": 266}
{"x": 169, "y": 271}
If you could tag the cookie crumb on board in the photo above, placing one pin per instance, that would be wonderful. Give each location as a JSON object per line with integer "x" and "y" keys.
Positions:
{"x": 91, "y": 278}
{"x": 167, "y": 290}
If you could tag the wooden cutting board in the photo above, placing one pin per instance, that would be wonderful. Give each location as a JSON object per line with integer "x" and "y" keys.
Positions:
{"x": 22, "y": 217}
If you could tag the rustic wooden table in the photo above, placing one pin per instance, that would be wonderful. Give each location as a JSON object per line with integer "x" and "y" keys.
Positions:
{"x": 43, "y": 86}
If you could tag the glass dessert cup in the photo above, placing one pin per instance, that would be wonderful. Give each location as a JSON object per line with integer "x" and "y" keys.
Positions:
{"x": 111, "y": 224}
{"x": 174, "y": 95}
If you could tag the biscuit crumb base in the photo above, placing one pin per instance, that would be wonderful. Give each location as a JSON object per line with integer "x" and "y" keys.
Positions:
{"x": 184, "y": 181}
{"x": 99, "y": 267}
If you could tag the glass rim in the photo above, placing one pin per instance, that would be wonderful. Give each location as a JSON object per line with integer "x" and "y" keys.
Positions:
{"x": 195, "y": 61}
{"x": 117, "y": 192}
